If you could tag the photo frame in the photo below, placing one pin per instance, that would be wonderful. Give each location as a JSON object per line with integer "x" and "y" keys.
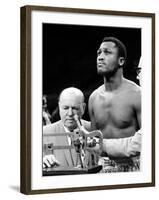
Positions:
{"x": 44, "y": 31}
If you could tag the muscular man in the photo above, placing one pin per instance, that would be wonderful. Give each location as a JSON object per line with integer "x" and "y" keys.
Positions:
{"x": 115, "y": 107}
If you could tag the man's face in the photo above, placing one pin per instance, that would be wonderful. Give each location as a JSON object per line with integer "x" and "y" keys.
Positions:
{"x": 68, "y": 107}
{"x": 107, "y": 59}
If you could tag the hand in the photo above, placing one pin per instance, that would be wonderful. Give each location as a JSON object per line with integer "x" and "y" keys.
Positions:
{"x": 94, "y": 146}
{"x": 50, "y": 161}
{"x": 97, "y": 149}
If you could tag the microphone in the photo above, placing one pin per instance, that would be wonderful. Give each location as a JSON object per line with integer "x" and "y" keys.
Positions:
{"x": 92, "y": 138}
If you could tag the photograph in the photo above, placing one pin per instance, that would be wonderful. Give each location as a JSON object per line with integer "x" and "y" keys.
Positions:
{"x": 87, "y": 84}
{"x": 79, "y": 62}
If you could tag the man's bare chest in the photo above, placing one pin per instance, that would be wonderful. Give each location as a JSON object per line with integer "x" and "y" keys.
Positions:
{"x": 113, "y": 110}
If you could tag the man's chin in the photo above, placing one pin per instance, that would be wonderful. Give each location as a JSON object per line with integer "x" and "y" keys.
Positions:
{"x": 70, "y": 126}
{"x": 102, "y": 73}
{"x": 106, "y": 73}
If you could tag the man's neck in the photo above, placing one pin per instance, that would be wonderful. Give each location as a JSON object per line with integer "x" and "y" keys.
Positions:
{"x": 113, "y": 82}
{"x": 69, "y": 130}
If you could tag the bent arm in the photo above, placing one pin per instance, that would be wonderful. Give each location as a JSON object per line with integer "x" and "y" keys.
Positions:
{"x": 123, "y": 147}
{"x": 91, "y": 113}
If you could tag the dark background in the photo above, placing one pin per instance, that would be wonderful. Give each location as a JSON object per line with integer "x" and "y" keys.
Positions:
{"x": 69, "y": 58}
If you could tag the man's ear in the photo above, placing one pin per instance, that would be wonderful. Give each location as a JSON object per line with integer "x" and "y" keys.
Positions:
{"x": 121, "y": 61}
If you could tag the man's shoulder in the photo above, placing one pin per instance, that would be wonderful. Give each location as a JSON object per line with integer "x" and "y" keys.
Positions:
{"x": 96, "y": 91}
{"x": 133, "y": 92}
{"x": 132, "y": 86}
{"x": 51, "y": 128}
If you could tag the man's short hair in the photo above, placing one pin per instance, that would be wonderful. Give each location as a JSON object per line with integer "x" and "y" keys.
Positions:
{"x": 121, "y": 47}
{"x": 72, "y": 90}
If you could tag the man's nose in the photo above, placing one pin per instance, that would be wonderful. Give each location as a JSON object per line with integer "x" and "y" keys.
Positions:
{"x": 70, "y": 112}
{"x": 100, "y": 56}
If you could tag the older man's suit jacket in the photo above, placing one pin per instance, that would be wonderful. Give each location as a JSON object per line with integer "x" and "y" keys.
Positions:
{"x": 66, "y": 157}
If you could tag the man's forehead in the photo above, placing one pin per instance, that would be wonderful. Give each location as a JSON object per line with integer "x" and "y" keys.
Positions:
{"x": 108, "y": 44}
{"x": 71, "y": 96}
{"x": 70, "y": 100}
{"x": 71, "y": 105}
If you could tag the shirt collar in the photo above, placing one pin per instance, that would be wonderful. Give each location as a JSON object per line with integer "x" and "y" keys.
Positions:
{"x": 68, "y": 131}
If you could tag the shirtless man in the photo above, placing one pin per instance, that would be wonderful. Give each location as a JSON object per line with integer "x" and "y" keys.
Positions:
{"x": 114, "y": 107}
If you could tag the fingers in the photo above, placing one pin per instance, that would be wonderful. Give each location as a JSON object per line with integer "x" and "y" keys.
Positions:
{"x": 44, "y": 166}
{"x": 46, "y": 162}
{"x": 96, "y": 149}
{"x": 49, "y": 161}
{"x": 54, "y": 160}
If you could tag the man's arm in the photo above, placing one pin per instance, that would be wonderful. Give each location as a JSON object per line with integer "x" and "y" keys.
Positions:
{"x": 123, "y": 147}
{"x": 49, "y": 160}
{"x": 137, "y": 106}
{"x": 90, "y": 109}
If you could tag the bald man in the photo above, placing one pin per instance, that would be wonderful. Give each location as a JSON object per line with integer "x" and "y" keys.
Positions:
{"x": 71, "y": 102}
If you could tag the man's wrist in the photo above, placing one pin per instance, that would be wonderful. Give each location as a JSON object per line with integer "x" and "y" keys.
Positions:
{"x": 104, "y": 149}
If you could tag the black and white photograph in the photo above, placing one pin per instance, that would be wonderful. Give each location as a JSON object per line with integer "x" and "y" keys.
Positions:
{"x": 88, "y": 104}
{"x": 91, "y": 99}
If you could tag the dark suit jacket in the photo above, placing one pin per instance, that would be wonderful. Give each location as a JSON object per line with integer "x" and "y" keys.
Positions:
{"x": 66, "y": 157}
